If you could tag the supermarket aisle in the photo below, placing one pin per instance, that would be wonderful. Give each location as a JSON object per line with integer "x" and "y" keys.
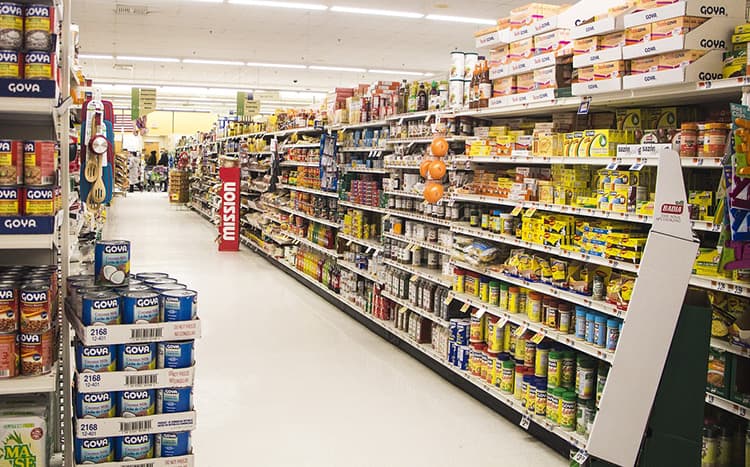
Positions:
{"x": 285, "y": 379}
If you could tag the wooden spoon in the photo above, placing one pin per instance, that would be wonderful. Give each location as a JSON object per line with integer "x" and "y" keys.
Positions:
{"x": 91, "y": 170}
{"x": 98, "y": 191}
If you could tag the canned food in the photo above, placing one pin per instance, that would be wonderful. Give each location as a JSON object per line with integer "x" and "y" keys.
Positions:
{"x": 175, "y": 354}
{"x": 136, "y": 403}
{"x": 35, "y": 307}
{"x": 39, "y": 201}
{"x": 11, "y": 26}
{"x": 137, "y": 288}
{"x": 144, "y": 276}
{"x": 96, "y": 405}
{"x": 86, "y": 288}
{"x": 140, "y": 307}
{"x": 96, "y": 358}
{"x": 9, "y": 356}
{"x": 159, "y": 288}
{"x": 39, "y": 26}
{"x": 179, "y": 305}
{"x": 9, "y": 321}
{"x": 36, "y": 353}
{"x": 39, "y": 65}
{"x": 136, "y": 357}
{"x": 94, "y": 451}
{"x": 112, "y": 262}
{"x": 134, "y": 447}
{"x": 75, "y": 282}
{"x": 39, "y": 163}
{"x": 11, "y": 162}
{"x": 159, "y": 281}
{"x": 100, "y": 308}
{"x": 174, "y": 400}
{"x": 10, "y": 201}
{"x": 172, "y": 444}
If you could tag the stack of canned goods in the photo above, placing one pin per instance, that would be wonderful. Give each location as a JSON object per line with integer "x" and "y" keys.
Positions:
{"x": 27, "y": 41}
{"x": 28, "y": 305}
{"x": 28, "y": 178}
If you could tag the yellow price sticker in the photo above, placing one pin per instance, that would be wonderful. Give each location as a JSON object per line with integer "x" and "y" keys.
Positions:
{"x": 516, "y": 211}
{"x": 448, "y": 300}
{"x": 465, "y": 308}
{"x": 529, "y": 212}
{"x": 520, "y": 330}
{"x": 538, "y": 338}
{"x": 413, "y": 278}
{"x": 403, "y": 309}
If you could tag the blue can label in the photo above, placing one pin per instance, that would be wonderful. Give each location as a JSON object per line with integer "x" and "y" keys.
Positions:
{"x": 136, "y": 357}
{"x": 112, "y": 262}
{"x": 140, "y": 308}
{"x": 179, "y": 305}
{"x": 174, "y": 400}
{"x": 134, "y": 448}
{"x": 94, "y": 451}
{"x": 96, "y": 358}
{"x": 173, "y": 444}
{"x": 462, "y": 333}
{"x": 100, "y": 308}
{"x": 136, "y": 403}
{"x": 96, "y": 405}
{"x": 175, "y": 354}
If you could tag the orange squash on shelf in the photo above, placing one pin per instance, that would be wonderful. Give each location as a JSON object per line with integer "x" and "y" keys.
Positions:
{"x": 439, "y": 147}
{"x": 424, "y": 168}
{"x": 437, "y": 170}
{"x": 433, "y": 192}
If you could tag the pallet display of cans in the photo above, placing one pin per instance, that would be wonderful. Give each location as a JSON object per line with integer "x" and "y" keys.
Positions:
{"x": 135, "y": 365}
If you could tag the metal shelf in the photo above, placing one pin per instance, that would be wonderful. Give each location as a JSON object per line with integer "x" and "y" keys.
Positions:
{"x": 415, "y": 309}
{"x": 728, "y": 405}
{"x": 361, "y": 272}
{"x": 367, "y": 243}
{"x": 28, "y": 242}
{"x": 298, "y": 164}
{"x": 364, "y": 170}
{"x": 362, "y": 149}
{"x": 312, "y": 218}
{"x": 354, "y": 126}
{"x": 30, "y": 384}
{"x": 330, "y": 194}
{"x": 429, "y": 274}
{"x": 442, "y": 249}
{"x": 418, "y": 217}
{"x": 362, "y": 207}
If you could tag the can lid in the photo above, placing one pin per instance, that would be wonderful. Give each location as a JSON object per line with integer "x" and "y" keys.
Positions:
{"x": 179, "y": 293}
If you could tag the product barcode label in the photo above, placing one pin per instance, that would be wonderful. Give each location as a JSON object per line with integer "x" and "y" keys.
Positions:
{"x": 581, "y": 457}
{"x": 525, "y": 422}
{"x": 141, "y": 380}
{"x": 138, "y": 425}
{"x": 146, "y": 333}
{"x": 148, "y": 464}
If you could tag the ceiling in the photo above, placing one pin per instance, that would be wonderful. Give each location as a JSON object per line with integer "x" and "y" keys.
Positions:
{"x": 192, "y": 29}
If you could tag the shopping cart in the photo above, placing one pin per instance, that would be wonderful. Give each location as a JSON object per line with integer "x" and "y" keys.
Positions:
{"x": 156, "y": 178}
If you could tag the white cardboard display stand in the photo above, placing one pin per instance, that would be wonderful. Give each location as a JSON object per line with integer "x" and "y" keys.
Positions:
{"x": 650, "y": 324}
{"x": 135, "y": 380}
{"x": 180, "y": 461}
{"x": 120, "y": 426}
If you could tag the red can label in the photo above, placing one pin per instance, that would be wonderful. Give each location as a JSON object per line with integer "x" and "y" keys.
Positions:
{"x": 8, "y": 308}
{"x": 39, "y": 65}
{"x": 36, "y": 353}
{"x": 39, "y": 201}
{"x": 11, "y": 162}
{"x": 9, "y": 356}
{"x": 39, "y": 162}
{"x": 36, "y": 310}
{"x": 10, "y": 203}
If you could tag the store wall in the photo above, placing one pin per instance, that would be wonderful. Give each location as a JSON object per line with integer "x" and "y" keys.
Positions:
{"x": 178, "y": 123}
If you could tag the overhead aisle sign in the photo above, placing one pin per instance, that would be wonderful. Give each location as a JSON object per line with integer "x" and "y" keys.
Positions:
{"x": 142, "y": 102}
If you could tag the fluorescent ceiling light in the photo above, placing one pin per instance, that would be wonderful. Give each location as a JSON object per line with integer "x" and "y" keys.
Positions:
{"x": 337, "y": 68}
{"x": 375, "y": 12}
{"x": 148, "y": 59}
{"x": 96, "y": 56}
{"x": 295, "y": 5}
{"x": 461, "y": 19}
{"x": 397, "y": 72}
{"x": 275, "y": 65}
{"x": 429, "y": 74}
{"x": 212, "y": 62}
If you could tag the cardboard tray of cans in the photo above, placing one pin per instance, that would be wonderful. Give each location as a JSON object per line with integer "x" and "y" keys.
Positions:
{"x": 135, "y": 380}
{"x": 180, "y": 461}
{"x": 135, "y": 333}
{"x": 90, "y": 428}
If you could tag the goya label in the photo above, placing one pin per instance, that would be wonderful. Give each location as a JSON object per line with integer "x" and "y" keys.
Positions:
{"x": 10, "y": 64}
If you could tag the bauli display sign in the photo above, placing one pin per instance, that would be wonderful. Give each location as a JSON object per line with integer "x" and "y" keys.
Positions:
{"x": 229, "y": 222}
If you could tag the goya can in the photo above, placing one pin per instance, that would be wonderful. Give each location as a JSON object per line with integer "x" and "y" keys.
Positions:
{"x": 39, "y": 26}
{"x": 9, "y": 356}
{"x": 11, "y": 26}
{"x": 10, "y": 201}
{"x": 39, "y": 201}
{"x": 112, "y": 262}
{"x": 94, "y": 451}
{"x": 140, "y": 307}
{"x": 10, "y": 64}
{"x": 144, "y": 276}
{"x": 174, "y": 400}
{"x": 178, "y": 354}
{"x": 96, "y": 405}
{"x": 179, "y": 305}
{"x": 134, "y": 447}
{"x": 137, "y": 288}
{"x": 36, "y": 353}
{"x": 96, "y": 358}
{"x": 72, "y": 283}
{"x": 9, "y": 321}
{"x": 136, "y": 403}
{"x": 159, "y": 288}
{"x": 172, "y": 444}
{"x": 11, "y": 162}
{"x": 136, "y": 357}
{"x": 39, "y": 65}
{"x": 39, "y": 163}
{"x": 35, "y": 305}
{"x": 159, "y": 281}
{"x": 100, "y": 308}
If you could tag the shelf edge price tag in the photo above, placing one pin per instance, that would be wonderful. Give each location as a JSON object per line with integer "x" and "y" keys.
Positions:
{"x": 520, "y": 330}
{"x": 538, "y": 338}
{"x": 516, "y": 211}
{"x": 480, "y": 312}
{"x": 403, "y": 309}
{"x": 465, "y": 307}
{"x": 502, "y": 322}
{"x": 448, "y": 300}
{"x": 529, "y": 212}
{"x": 525, "y": 422}
{"x": 581, "y": 457}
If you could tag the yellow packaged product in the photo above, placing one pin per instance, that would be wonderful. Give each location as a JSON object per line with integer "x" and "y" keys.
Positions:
{"x": 603, "y": 202}
{"x": 600, "y": 143}
{"x": 504, "y": 86}
{"x": 622, "y": 200}
{"x": 525, "y": 15}
{"x": 553, "y": 41}
{"x": 553, "y": 239}
{"x": 612, "y": 40}
{"x": 677, "y": 26}
{"x": 704, "y": 202}
{"x": 585, "y": 74}
{"x": 644, "y": 208}
{"x": 630, "y": 119}
{"x": 520, "y": 50}
{"x": 546, "y": 192}
{"x": 679, "y": 59}
{"x": 707, "y": 263}
{"x": 525, "y": 82}
{"x": 644, "y": 65}
{"x": 609, "y": 70}
{"x": 742, "y": 28}
{"x": 586, "y": 45}
{"x": 499, "y": 55}
{"x": 638, "y": 34}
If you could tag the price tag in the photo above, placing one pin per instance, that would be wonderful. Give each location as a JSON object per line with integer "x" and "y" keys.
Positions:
{"x": 448, "y": 300}
{"x": 520, "y": 330}
{"x": 427, "y": 118}
{"x": 710, "y": 398}
{"x": 91, "y": 380}
{"x": 529, "y": 212}
{"x": 581, "y": 457}
{"x": 403, "y": 309}
{"x": 741, "y": 411}
{"x": 637, "y": 166}
{"x": 538, "y": 338}
{"x": 480, "y": 312}
{"x": 525, "y": 422}
{"x": 501, "y": 322}
{"x": 349, "y": 242}
{"x": 613, "y": 165}
{"x": 465, "y": 307}
{"x": 413, "y": 278}
{"x": 369, "y": 249}
{"x": 516, "y": 211}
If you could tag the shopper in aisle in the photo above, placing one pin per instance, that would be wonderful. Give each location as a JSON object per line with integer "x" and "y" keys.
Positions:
{"x": 151, "y": 159}
{"x": 135, "y": 172}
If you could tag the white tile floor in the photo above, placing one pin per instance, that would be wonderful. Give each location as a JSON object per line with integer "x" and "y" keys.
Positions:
{"x": 286, "y": 379}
